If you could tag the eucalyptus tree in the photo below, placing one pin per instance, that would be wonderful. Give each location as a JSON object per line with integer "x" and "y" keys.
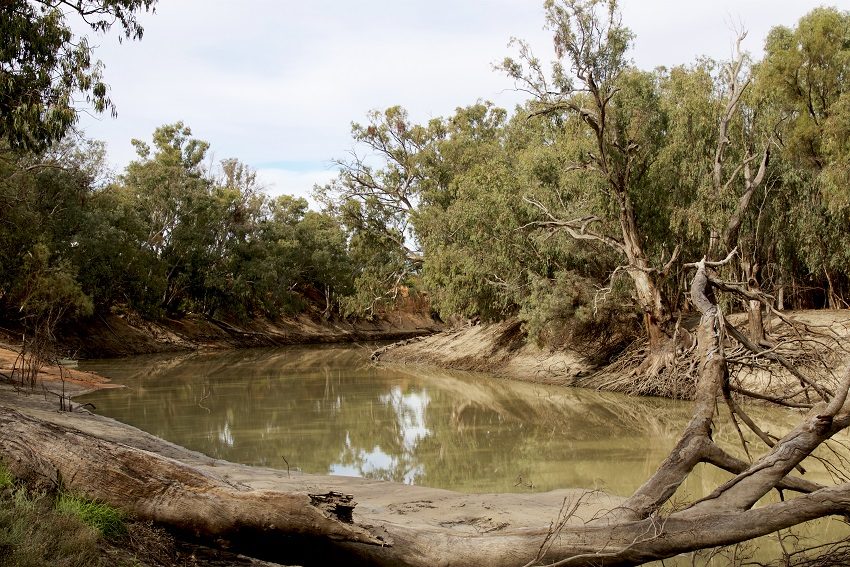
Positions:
{"x": 613, "y": 114}
{"x": 324, "y": 262}
{"x": 223, "y": 239}
{"x": 480, "y": 261}
{"x": 388, "y": 177}
{"x": 169, "y": 187}
{"x": 374, "y": 196}
{"x": 719, "y": 137}
{"x": 45, "y": 67}
{"x": 466, "y": 221}
{"x": 299, "y": 252}
{"x": 119, "y": 270}
{"x": 804, "y": 71}
{"x": 42, "y": 213}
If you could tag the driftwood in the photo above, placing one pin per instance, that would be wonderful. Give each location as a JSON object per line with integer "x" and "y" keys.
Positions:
{"x": 317, "y": 525}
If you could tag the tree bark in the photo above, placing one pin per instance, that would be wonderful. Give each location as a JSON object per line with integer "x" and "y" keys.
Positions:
{"x": 755, "y": 318}
{"x": 655, "y": 315}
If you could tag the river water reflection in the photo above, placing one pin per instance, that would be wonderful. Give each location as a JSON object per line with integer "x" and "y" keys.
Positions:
{"x": 329, "y": 410}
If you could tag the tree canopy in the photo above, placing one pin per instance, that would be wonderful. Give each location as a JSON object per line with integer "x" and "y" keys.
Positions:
{"x": 610, "y": 206}
{"x": 45, "y": 66}
{"x": 571, "y": 211}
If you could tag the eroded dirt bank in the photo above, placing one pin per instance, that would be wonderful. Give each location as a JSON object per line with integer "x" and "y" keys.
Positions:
{"x": 501, "y": 349}
{"x": 124, "y": 335}
{"x": 820, "y": 344}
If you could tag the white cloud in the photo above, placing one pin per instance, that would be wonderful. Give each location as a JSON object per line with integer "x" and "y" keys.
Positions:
{"x": 279, "y": 181}
{"x": 281, "y": 80}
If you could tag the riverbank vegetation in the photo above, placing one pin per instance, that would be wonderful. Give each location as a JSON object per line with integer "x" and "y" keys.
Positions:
{"x": 572, "y": 212}
{"x": 46, "y": 528}
{"x": 579, "y": 206}
{"x": 613, "y": 203}
{"x": 37, "y": 528}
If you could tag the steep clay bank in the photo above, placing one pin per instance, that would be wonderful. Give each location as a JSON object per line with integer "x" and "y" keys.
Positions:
{"x": 129, "y": 334}
{"x": 503, "y": 349}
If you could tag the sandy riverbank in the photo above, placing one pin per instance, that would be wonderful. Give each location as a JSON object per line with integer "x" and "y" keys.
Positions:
{"x": 822, "y": 349}
{"x": 128, "y": 334}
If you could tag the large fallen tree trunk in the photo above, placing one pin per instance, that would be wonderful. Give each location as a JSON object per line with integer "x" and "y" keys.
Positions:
{"x": 318, "y": 525}
{"x": 279, "y": 525}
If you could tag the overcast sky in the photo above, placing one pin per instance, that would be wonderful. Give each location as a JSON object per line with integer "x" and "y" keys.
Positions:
{"x": 277, "y": 83}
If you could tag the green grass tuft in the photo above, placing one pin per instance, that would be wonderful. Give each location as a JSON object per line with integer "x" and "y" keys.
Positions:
{"x": 6, "y": 478}
{"x": 104, "y": 518}
{"x": 32, "y": 534}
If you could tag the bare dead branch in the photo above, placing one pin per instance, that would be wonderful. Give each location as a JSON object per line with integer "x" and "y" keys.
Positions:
{"x": 578, "y": 228}
{"x": 822, "y": 391}
{"x": 771, "y": 399}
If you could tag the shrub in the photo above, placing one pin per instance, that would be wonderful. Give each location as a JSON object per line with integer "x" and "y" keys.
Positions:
{"x": 32, "y": 534}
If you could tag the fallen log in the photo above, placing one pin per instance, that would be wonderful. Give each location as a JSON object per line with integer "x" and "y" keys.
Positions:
{"x": 317, "y": 527}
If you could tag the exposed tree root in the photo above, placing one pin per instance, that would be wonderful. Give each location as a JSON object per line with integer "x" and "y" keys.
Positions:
{"x": 795, "y": 371}
{"x": 640, "y": 371}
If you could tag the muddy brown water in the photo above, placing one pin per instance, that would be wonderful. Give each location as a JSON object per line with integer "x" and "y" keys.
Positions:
{"x": 329, "y": 410}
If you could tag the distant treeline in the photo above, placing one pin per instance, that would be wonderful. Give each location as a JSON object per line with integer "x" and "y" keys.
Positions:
{"x": 169, "y": 236}
{"x": 581, "y": 206}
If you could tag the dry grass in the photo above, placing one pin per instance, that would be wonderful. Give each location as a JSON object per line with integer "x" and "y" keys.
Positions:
{"x": 32, "y": 534}
{"x": 39, "y": 529}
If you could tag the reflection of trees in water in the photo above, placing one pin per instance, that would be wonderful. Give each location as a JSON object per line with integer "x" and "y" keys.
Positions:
{"x": 327, "y": 409}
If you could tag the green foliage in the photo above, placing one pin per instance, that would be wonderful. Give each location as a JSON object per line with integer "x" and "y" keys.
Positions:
{"x": 44, "y": 66}
{"x": 49, "y": 290}
{"x": 6, "y": 478}
{"x": 805, "y": 70}
{"x": 474, "y": 255}
{"x": 169, "y": 236}
{"x": 105, "y": 519}
{"x": 563, "y": 213}
{"x": 32, "y": 534}
{"x": 211, "y": 242}
{"x": 375, "y": 196}
{"x": 41, "y": 213}
{"x": 803, "y": 76}
{"x": 611, "y": 125}
{"x": 380, "y": 261}
{"x": 570, "y": 309}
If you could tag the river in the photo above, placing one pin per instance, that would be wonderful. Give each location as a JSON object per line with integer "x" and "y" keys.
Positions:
{"x": 327, "y": 409}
